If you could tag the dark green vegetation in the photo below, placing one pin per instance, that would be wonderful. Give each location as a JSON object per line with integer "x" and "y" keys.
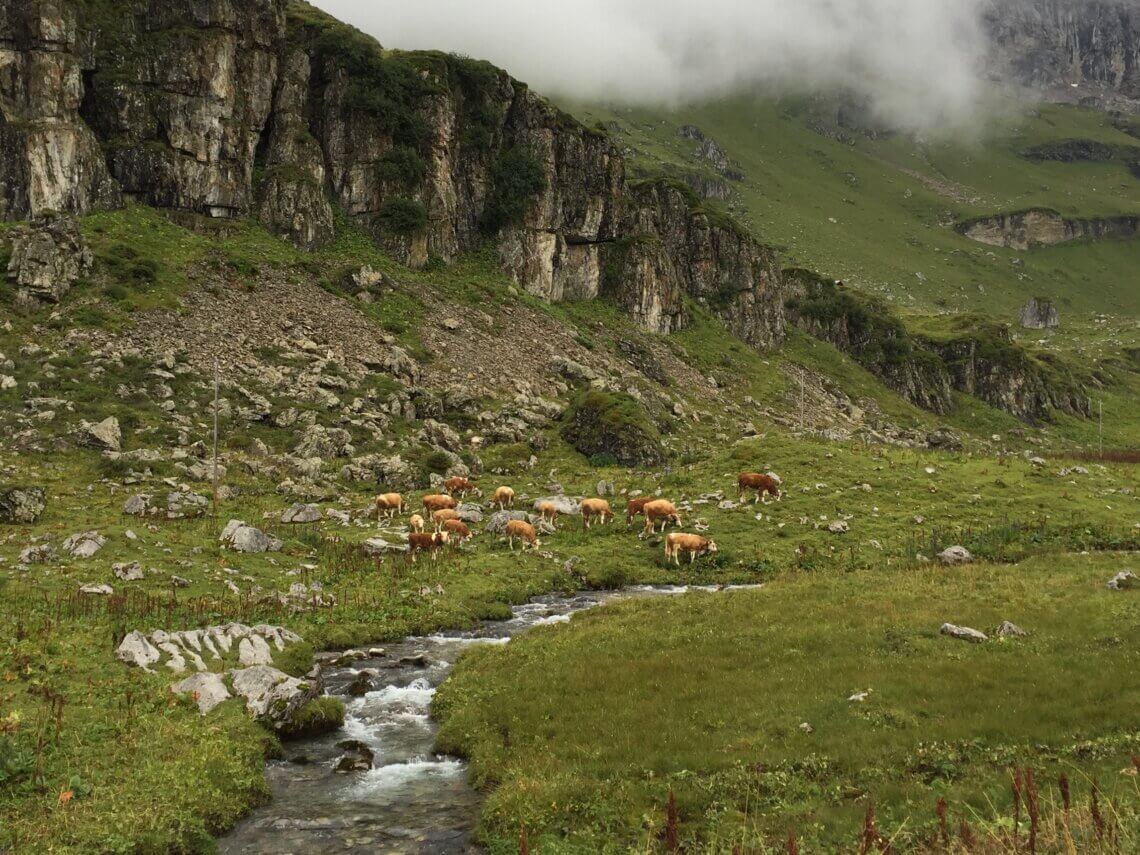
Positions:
{"x": 612, "y": 428}
{"x": 741, "y": 705}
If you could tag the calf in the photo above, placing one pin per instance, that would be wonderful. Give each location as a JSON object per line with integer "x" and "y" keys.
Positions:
{"x": 458, "y": 531}
{"x": 662, "y": 510}
{"x": 694, "y": 544}
{"x": 599, "y": 508}
{"x": 389, "y": 504}
{"x": 763, "y": 485}
{"x": 635, "y": 507}
{"x": 438, "y": 502}
{"x": 548, "y": 511}
{"x": 524, "y": 531}
{"x": 431, "y": 542}
{"x": 442, "y": 517}
{"x": 504, "y": 497}
{"x": 460, "y": 486}
{"x": 416, "y": 523}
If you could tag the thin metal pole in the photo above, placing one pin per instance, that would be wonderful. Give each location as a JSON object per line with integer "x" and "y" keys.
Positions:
{"x": 801, "y": 399}
{"x": 1100, "y": 425}
{"x": 215, "y": 473}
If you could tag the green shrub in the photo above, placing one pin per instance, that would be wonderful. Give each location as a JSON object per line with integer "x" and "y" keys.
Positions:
{"x": 318, "y": 716}
{"x": 614, "y": 425}
{"x": 403, "y": 217}
{"x": 402, "y": 165}
{"x": 517, "y": 178}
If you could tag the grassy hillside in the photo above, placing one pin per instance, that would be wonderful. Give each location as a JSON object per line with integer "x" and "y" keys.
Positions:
{"x": 874, "y": 210}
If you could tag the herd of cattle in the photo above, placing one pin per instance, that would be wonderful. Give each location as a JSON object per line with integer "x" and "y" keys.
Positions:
{"x": 447, "y": 527}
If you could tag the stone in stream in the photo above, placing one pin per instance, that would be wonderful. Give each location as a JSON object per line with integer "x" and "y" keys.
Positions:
{"x": 273, "y": 696}
{"x": 963, "y": 633}
{"x": 358, "y": 757}
{"x": 361, "y": 685}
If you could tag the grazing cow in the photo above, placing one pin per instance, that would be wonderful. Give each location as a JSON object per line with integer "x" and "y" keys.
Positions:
{"x": 763, "y": 485}
{"x": 389, "y": 504}
{"x": 548, "y": 512}
{"x": 458, "y": 531}
{"x": 635, "y": 507}
{"x": 431, "y": 542}
{"x": 694, "y": 544}
{"x": 439, "y": 502}
{"x": 599, "y": 508}
{"x": 504, "y": 497}
{"x": 440, "y": 517}
{"x": 524, "y": 531}
{"x": 457, "y": 486}
{"x": 662, "y": 510}
{"x": 416, "y": 523}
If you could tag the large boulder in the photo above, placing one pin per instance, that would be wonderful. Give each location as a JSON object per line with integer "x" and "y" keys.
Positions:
{"x": 46, "y": 259}
{"x": 612, "y": 425}
{"x": 245, "y": 538}
{"x": 964, "y": 633}
{"x": 273, "y": 696}
{"x": 565, "y": 505}
{"x": 21, "y": 505}
{"x": 206, "y": 688}
{"x": 104, "y": 435}
{"x": 1039, "y": 314}
{"x": 323, "y": 442}
{"x": 136, "y": 649}
{"x": 497, "y": 524}
{"x": 299, "y": 514}
{"x": 953, "y": 555}
{"x": 84, "y": 545}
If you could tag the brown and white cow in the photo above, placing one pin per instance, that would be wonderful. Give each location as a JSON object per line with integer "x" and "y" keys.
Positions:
{"x": 457, "y": 486}
{"x": 504, "y": 497}
{"x": 548, "y": 511}
{"x": 524, "y": 531}
{"x": 458, "y": 531}
{"x": 660, "y": 510}
{"x": 439, "y": 502}
{"x": 764, "y": 485}
{"x": 432, "y": 543}
{"x": 389, "y": 504}
{"x": 695, "y": 545}
{"x": 596, "y": 509}
{"x": 416, "y": 523}
{"x": 441, "y": 517}
{"x": 635, "y": 508}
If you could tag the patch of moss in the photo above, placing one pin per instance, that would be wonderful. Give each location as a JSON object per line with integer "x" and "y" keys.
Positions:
{"x": 404, "y": 217}
{"x": 517, "y": 178}
{"x": 320, "y": 715}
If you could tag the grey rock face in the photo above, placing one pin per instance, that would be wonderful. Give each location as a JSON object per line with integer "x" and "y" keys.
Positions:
{"x": 963, "y": 633}
{"x": 104, "y": 435}
{"x": 271, "y": 695}
{"x": 43, "y": 553}
{"x": 254, "y": 650}
{"x": 298, "y": 514}
{"x": 1039, "y": 314}
{"x": 945, "y": 439}
{"x": 208, "y": 689}
{"x": 1123, "y": 581}
{"x": 952, "y": 555}
{"x": 563, "y": 504}
{"x": 84, "y": 545}
{"x": 22, "y": 505}
{"x": 497, "y": 524}
{"x": 132, "y": 572}
{"x": 1010, "y": 630}
{"x": 245, "y": 538}
{"x": 47, "y": 258}
{"x": 136, "y": 649}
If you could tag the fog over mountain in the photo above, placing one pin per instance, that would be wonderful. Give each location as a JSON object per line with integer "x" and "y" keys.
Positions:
{"x": 918, "y": 60}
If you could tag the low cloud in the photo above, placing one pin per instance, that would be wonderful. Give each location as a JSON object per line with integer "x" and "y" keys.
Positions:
{"x": 917, "y": 61}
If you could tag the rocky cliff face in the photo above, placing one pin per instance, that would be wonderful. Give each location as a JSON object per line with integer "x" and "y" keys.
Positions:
{"x": 1025, "y": 230}
{"x": 1075, "y": 49}
{"x": 49, "y": 158}
{"x": 269, "y": 108}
